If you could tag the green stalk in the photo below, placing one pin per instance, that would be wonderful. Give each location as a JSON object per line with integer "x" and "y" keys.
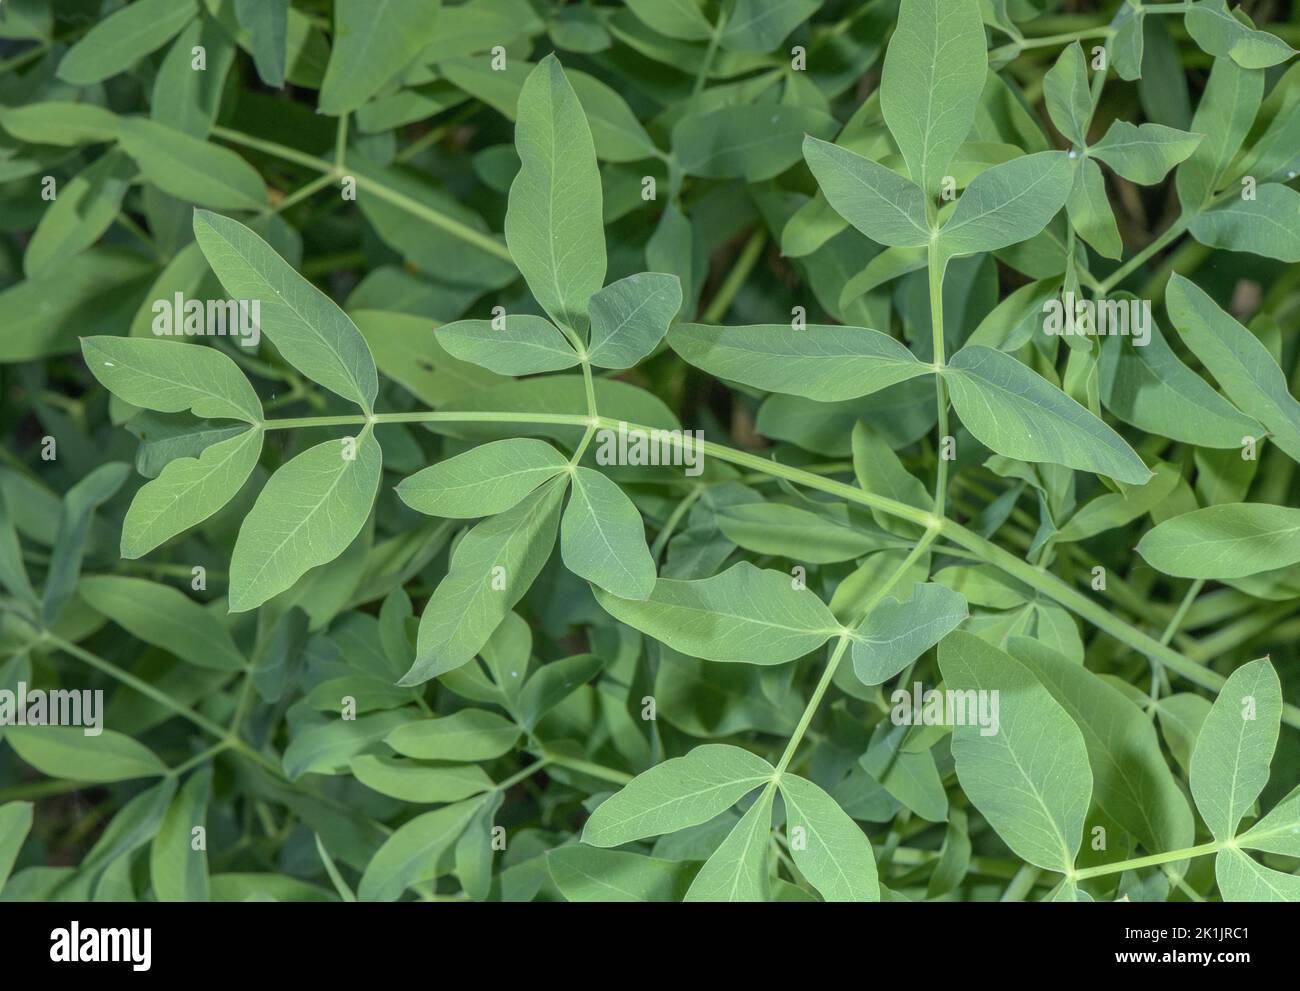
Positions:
{"x": 1153, "y": 860}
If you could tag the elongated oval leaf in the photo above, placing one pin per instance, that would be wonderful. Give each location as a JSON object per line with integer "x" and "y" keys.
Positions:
{"x": 484, "y": 481}
{"x": 1227, "y": 541}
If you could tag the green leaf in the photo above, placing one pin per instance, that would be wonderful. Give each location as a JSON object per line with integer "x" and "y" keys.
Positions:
{"x": 374, "y": 40}
{"x": 1131, "y": 781}
{"x": 187, "y": 99}
{"x": 1030, "y": 778}
{"x": 179, "y": 872}
{"x": 1220, "y": 33}
{"x": 1224, "y": 115}
{"x": 602, "y": 538}
{"x": 933, "y": 76}
{"x": 1235, "y": 747}
{"x": 408, "y": 781}
{"x": 1066, "y": 93}
{"x": 191, "y": 169}
{"x": 467, "y": 735}
{"x": 1241, "y": 879}
{"x": 491, "y": 569}
{"x": 85, "y": 208}
{"x": 631, "y": 316}
{"x": 15, "y": 823}
{"x": 754, "y": 142}
{"x": 1232, "y": 540}
{"x": 823, "y": 362}
{"x": 737, "y": 870}
{"x": 745, "y": 614}
{"x": 1088, "y": 208}
{"x": 169, "y": 376}
{"x": 188, "y": 491}
{"x": 1153, "y": 390}
{"x": 1019, "y": 414}
{"x": 799, "y": 534}
{"x": 267, "y": 24}
{"x": 304, "y": 324}
{"x": 58, "y": 123}
{"x": 679, "y": 793}
{"x": 553, "y": 222}
{"x": 894, "y": 634}
{"x": 123, "y": 38}
{"x": 307, "y": 515}
{"x": 589, "y": 874}
{"x": 412, "y": 854}
{"x": 552, "y": 684}
{"x": 1144, "y": 154}
{"x": 484, "y": 481}
{"x": 673, "y": 18}
{"x": 1008, "y": 203}
{"x": 877, "y": 201}
{"x": 68, "y": 752}
{"x": 161, "y": 615}
{"x": 1279, "y": 831}
{"x": 1236, "y": 358}
{"x": 761, "y": 25}
{"x": 833, "y": 853}
{"x": 75, "y": 518}
{"x": 1268, "y": 224}
{"x": 524, "y": 345}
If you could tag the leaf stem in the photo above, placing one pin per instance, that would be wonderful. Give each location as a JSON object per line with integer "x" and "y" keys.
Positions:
{"x": 936, "y": 264}
{"x": 745, "y": 263}
{"x": 1153, "y": 860}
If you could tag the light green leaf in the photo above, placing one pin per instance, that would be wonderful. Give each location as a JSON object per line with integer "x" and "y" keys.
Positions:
{"x": 526, "y": 344}
{"x": 796, "y": 533}
{"x": 1235, "y": 747}
{"x": 835, "y": 855}
{"x": 307, "y": 515}
{"x": 68, "y": 752}
{"x": 631, "y": 316}
{"x": 1131, "y": 781}
{"x": 602, "y": 538}
{"x": 1226, "y": 111}
{"x": 491, "y": 569}
{"x": 188, "y": 491}
{"x": 1268, "y": 224}
{"x": 411, "y": 782}
{"x": 680, "y": 792}
{"x": 933, "y": 77}
{"x": 1220, "y": 33}
{"x": 1152, "y": 389}
{"x": 179, "y": 872}
{"x": 123, "y": 38}
{"x": 1232, "y": 540}
{"x": 188, "y": 99}
{"x": 161, "y": 615}
{"x": 413, "y": 853}
{"x": 894, "y": 633}
{"x": 1236, "y": 358}
{"x": 57, "y": 123}
{"x": 1021, "y": 415}
{"x": 1145, "y": 153}
{"x": 877, "y": 201}
{"x": 1241, "y": 879}
{"x": 170, "y": 376}
{"x": 484, "y": 481}
{"x": 1066, "y": 93}
{"x": 673, "y": 18}
{"x": 15, "y": 823}
{"x": 467, "y": 735}
{"x": 374, "y": 40}
{"x": 1279, "y": 831}
{"x": 589, "y": 874}
{"x": 553, "y": 221}
{"x": 75, "y": 518}
{"x": 823, "y": 362}
{"x": 745, "y": 614}
{"x": 304, "y": 324}
{"x": 1008, "y": 203}
{"x": 737, "y": 870}
{"x": 191, "y": 169}
{"x": 1088, "y": 208}
{"x": 1030, "y": 778}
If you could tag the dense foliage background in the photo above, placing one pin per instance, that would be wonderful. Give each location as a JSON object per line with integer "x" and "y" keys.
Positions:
{"x": 307, "y": 735}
